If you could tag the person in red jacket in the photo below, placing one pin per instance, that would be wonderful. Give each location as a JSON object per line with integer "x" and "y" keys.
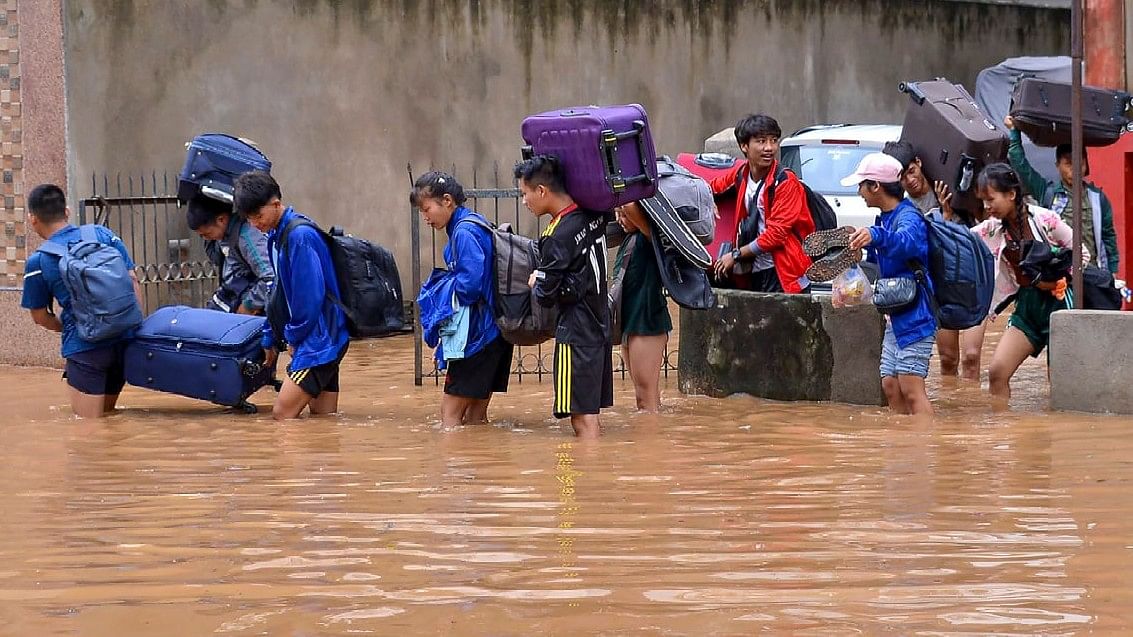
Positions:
{"x": 771, "y": 215}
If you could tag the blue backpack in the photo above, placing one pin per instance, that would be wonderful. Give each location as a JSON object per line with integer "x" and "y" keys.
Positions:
{"x": 103, "y": 303}
{"x": 962, "y": 271}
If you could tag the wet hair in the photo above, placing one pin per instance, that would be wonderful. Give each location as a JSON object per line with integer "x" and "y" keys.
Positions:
{"x": 435, "y": 185}
{"x": 253, "y": 191}
{"x": 893, "y": 189}
{"x": 1000, "y": 177}
{"x": 203, "y": 210}
{"x": 757, "y": 125}
{"x": 1066, "y": 152}
{"x": 48, "y": 203}
{"x": 542, "y": 170}
{"x": 902, "y": 151}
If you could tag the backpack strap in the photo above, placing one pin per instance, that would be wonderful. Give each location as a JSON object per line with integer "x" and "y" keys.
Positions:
{"x": 920, "y": 273}
{"x": 52, "y": 248}
{"x": 285, "y": 232}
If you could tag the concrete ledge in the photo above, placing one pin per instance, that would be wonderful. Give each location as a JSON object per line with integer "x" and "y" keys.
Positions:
{"x": 24, "y": 342}
{"x": 1091, "y": 353}
{"x": 723, "y": 142}
{"x": 782, "y": 347}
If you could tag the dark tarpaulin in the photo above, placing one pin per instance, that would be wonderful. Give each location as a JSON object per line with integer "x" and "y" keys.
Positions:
{"x": 993, "y": 94}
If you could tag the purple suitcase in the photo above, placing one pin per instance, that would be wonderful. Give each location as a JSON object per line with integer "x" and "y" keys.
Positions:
{"x": 606, "y": 151}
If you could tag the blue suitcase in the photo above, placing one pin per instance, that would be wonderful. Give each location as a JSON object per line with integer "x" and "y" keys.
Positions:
{"x": 205, "y": 354}
{"x": 212, "y": 164}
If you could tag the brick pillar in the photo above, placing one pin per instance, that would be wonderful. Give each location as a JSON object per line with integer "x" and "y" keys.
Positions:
{"x": 33, "y": 144}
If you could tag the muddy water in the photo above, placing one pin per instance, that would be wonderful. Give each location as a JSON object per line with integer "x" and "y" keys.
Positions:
{"x": 718, "y": 517}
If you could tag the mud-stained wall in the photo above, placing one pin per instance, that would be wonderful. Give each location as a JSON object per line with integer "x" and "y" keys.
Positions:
{"x": 343, "y": 94}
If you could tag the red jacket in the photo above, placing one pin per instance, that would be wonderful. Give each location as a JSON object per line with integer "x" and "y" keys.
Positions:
{"x": 785, "y": 222}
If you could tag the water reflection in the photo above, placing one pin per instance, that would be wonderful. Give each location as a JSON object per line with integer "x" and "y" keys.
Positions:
{"x": 715, "y": 517}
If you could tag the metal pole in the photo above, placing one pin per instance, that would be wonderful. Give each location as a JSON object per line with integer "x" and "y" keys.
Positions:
{"x": 415, "y": 248}
{"x": 1076, "y": 142}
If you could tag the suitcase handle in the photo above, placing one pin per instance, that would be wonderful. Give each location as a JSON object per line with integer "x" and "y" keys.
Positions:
{"x": 609, "y": 147}
{"x": 914, "y": 91}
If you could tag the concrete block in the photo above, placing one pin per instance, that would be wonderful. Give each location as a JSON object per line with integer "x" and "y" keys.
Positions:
{"x": 1091, "y": 353}
{"x": 723, "y": 142}
{"x": 782, "y": 347}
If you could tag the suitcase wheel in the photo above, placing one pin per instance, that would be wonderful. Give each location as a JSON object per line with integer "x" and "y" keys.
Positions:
{"x": 249, "y": 408}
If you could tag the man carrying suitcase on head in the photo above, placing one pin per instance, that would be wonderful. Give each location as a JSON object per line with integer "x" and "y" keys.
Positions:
{"x": 1098, "y": 234}
{"x": 315, "y": 330}
{"x": 238, "y": 250}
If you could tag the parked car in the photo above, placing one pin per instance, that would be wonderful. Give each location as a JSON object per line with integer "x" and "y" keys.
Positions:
{"x": 822, "y": 155}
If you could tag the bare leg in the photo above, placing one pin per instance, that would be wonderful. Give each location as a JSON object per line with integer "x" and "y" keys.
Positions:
{"x": 454, "y": 409}
{"x": 585, "y": 425}
{"x": 644, "y": 357}
{"x": 87, "y": 405}
{"x": 291, "y": 401}
{"x": 892, "y": 388}
{"x": 1013, "y": 349}
{"x": 477, "y": 412}
{"x": 324, "y": 404}
{"x": 971, "y": 351}
{"x": 914, "y": 395}
{"x": 948, "y": 347}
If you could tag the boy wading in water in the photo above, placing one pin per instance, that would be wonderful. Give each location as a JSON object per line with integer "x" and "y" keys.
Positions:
{"x": 315, "y": 331}
{"x": 572, "y": 276}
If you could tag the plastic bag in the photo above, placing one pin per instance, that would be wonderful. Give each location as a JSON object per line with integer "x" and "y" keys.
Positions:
{"x": 852, "y": 288}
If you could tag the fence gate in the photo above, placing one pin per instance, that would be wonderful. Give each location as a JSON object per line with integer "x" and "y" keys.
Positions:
{"x": 169, "y": 258}
{"x": 500, "y": 201}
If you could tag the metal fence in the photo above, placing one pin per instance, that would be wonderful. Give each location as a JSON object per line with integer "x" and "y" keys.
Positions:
{"x": 500, "y": 201}
{"x": 169, "y": 258}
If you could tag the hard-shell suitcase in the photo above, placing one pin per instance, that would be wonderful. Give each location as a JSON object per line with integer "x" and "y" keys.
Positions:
{"x": 205, "y": 354}
{"x": 607, "y": 152}
{"x": 1041, "y": 110}
{"x": 212, "y": 164}
{"x": 952, "y": 137}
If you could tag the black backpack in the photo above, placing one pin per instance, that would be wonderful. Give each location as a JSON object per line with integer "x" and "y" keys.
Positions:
{"x": 368, "y": 282}
{"x": 820, "y": 211}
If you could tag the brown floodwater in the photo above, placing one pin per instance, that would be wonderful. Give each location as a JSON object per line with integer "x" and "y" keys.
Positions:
{"x": 716, "y": 517}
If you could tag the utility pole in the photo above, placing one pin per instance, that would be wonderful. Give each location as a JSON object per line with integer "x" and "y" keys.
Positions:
{"x": 1076, "y": 51}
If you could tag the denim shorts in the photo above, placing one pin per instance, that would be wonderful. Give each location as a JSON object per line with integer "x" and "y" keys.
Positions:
{"x": 908, "y": 361}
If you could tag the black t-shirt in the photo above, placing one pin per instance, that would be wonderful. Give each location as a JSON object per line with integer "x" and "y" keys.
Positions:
{"x": 572, "y": 258}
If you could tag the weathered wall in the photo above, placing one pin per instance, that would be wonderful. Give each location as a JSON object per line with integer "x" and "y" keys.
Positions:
{"x": 343, "y": 94}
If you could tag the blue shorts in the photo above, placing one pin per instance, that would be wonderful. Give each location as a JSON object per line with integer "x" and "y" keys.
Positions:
{"x": 97, "y": 372}
{"x": 908, "y": 361}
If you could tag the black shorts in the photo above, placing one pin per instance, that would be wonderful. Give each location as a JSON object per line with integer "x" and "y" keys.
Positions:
{"x": 98, "y": 372}
{"x": 481, "y": 374}
{"x": 320, "y": 378}
{"x": 584, "y": 379}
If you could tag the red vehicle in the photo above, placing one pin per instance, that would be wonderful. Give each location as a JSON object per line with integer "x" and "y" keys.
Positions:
{"x": 708, "y": 166}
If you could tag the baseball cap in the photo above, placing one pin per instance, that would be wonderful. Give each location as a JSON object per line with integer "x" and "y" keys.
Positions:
{"x": 877, "y": 167}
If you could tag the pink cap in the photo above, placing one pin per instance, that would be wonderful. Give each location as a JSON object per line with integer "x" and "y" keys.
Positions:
{"x": 877, "y": 167}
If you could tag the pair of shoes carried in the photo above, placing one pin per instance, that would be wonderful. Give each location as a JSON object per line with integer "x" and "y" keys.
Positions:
{"x": 831, "y": 252}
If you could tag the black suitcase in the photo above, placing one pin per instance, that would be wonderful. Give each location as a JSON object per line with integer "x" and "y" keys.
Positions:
{"x": 952, "y": 137}
{"x": 1041, "y": 110}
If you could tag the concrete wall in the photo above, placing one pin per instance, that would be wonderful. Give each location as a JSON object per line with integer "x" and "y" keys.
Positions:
{"x": 1090, "y": 357}
{"x": 782, "y": 347}
{"x": 343, "y": 94}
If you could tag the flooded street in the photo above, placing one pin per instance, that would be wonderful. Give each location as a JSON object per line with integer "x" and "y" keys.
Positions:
{"x": 717, "y": 517}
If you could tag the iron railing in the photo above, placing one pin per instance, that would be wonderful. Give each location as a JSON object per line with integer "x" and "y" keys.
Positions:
{"x": 169, "y": 258}
{"x": 500, "y": 201}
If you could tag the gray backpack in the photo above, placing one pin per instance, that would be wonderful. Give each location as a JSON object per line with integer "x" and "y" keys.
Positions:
{"x": 522, "y": 321}
{"x": 690, "y": 196}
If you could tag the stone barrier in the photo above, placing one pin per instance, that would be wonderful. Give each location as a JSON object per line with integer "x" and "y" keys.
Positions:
{"x": 782, "y": 347}
{"x": 1091, "y": 357}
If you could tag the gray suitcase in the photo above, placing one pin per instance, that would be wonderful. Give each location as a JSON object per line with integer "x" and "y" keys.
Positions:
{"x": 952, "y": 136}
